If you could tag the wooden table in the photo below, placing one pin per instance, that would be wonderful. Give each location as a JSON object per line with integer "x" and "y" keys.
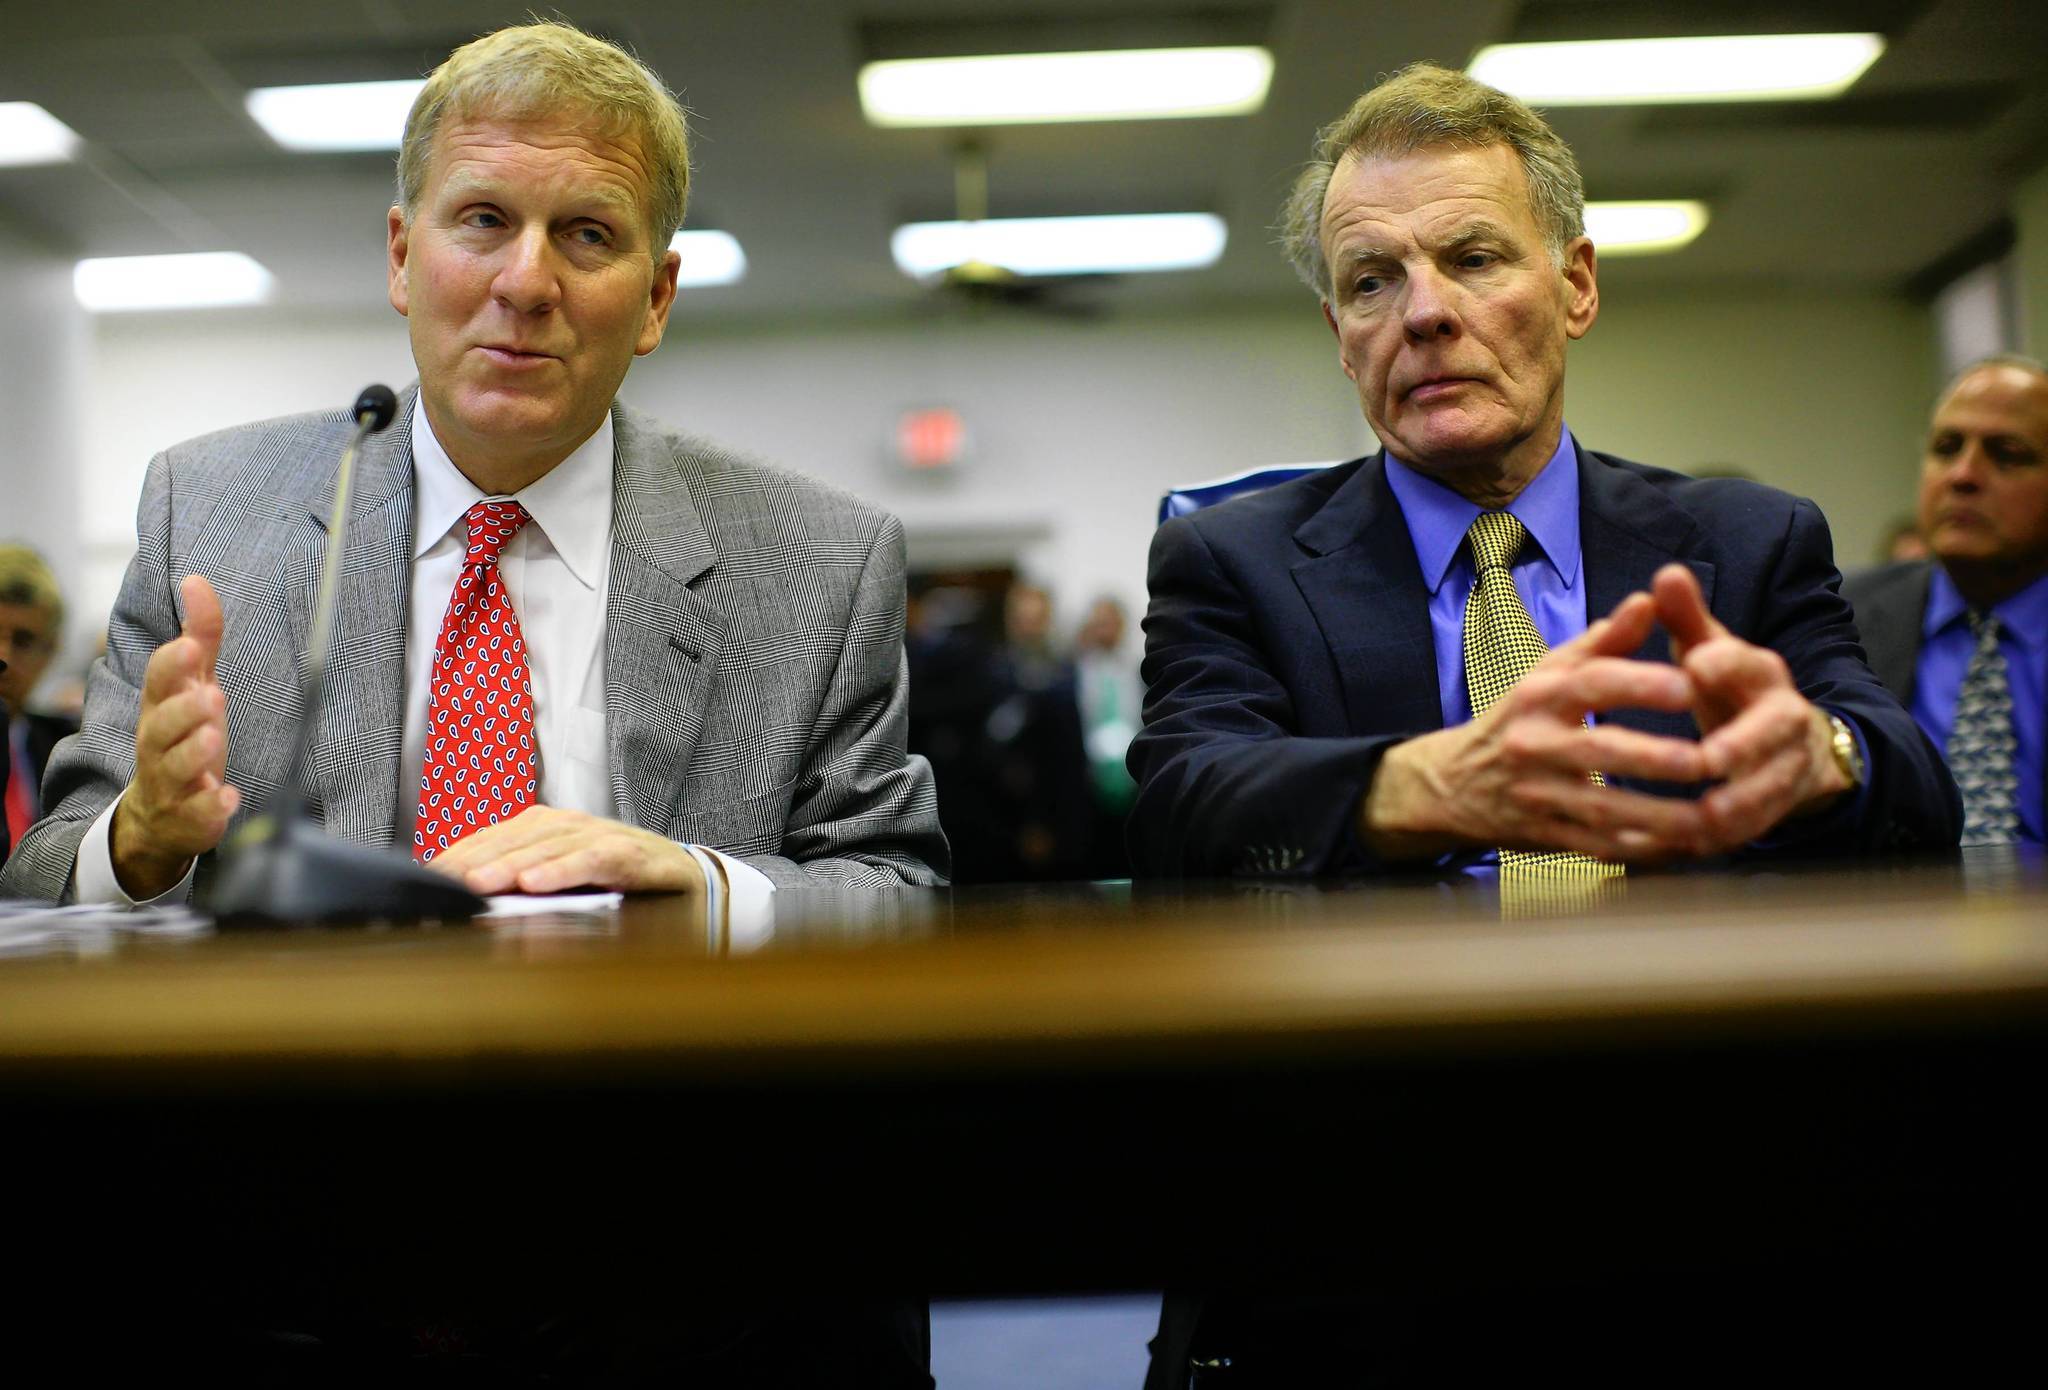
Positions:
{"x": 1094, "y": 1087}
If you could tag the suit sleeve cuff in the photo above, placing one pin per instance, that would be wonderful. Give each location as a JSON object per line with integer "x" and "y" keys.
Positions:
{"x": 1838, "y": 822}
{"x": 92, "y": 873}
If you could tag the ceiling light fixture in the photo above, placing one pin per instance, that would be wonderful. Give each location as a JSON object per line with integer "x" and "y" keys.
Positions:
{"x": 1629, "y": 72}
{"x": 1063, "y": 245}
{"x": 1029, "y": 88}
{"x": 334, "y": 116}
{"x": 1644, "y": 228}
{"x": 31, "y": 135}
{"x": 206, "y": 280}
{"x": 709, "y": 258}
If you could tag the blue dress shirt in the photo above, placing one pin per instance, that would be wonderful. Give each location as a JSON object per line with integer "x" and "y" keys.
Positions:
{"x": 1548, "y": 575}
{"x": 1945, "y": 647}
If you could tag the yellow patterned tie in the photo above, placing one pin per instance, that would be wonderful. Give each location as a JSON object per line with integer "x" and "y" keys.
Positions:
{"x": 1501, "y": 644}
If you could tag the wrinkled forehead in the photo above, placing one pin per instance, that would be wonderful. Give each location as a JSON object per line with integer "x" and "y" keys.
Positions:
{"x": 1369, "y": 183}
{"x": 616, "y": 161}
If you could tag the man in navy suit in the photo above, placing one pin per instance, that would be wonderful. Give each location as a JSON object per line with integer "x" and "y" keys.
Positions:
{"x": 1311, "y": 697}
{"x": 1307, "y": 707}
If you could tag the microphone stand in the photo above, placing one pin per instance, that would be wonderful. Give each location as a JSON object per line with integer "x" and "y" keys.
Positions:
{"x": 281, "y": 869}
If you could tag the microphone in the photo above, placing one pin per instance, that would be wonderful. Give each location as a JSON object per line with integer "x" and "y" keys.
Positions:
{"x": 281, "y": 869}
{"x": 378, "y": 402}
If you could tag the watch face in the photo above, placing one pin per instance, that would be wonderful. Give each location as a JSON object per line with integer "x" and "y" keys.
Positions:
{"x": 1848, "y": 753}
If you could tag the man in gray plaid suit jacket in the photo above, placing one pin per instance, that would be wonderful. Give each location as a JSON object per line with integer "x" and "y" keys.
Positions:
{"x": 717, "y": 654}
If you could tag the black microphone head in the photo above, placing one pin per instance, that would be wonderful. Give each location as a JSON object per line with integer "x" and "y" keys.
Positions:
{"x": 379, "y": 403}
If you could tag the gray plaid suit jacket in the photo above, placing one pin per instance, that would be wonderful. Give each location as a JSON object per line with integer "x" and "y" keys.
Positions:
{"x": 754, "y": 672}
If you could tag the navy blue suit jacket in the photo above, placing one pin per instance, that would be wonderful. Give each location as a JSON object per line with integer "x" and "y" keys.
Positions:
{"x": 1288, "y": 645}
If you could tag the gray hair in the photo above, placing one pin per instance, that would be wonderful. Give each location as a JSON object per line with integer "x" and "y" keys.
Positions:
{"x": 545, "y": 69}
{"x": 1424, "y": 106}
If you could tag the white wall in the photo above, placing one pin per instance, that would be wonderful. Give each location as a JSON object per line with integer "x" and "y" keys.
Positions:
{"x": 2030, "y": 254}
{"x": 1824, "y": 395}
{"x": 42, "y": 370}
{"x": 1077, "y": 428}
{"x": 157, "y": 378}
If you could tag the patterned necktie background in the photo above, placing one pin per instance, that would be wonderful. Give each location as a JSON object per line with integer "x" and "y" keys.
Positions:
{"x": 482, "y": 764}
{"x": 1982, "y": 747}
{"x": 1501, "y": 645}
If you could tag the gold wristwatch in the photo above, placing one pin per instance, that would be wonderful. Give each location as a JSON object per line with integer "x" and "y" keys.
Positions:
{"x": 1848, "y": 753}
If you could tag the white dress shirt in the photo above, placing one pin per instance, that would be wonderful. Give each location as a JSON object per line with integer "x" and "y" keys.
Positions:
{"x": 557, "y": 576}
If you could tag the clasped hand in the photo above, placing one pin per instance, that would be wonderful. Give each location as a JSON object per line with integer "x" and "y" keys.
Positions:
{"x": 1518, "y": 776}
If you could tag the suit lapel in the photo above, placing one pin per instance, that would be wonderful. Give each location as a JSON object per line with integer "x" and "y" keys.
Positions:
{"x": 1364, "y": 587}
{"x": 355, "y": 773}
{"x": 1627, "y": 531}
{"x": 662, "y": 640}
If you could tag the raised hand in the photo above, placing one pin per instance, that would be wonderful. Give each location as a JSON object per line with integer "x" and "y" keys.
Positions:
{"x": 179, "y": 802}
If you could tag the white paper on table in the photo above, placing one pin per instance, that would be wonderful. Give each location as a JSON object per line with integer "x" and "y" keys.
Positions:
{"x": 28, "y": 929}
{"x": 539, "y": 904}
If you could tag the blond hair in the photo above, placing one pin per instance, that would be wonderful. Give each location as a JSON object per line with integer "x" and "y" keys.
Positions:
{"x": 27, "y": 582}
{"x": 548, "y": 69}
{"x": 1420, "y": 107}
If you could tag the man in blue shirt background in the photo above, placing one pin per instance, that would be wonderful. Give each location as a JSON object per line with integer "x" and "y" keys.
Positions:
{"x": 1984, "y": 511}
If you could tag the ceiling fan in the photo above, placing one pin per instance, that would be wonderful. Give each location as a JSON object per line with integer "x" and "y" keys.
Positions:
{"x": 986, "y": 284}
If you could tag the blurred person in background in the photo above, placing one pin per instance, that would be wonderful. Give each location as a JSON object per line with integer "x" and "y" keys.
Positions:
{"x": 1112, "y": 702}
{"x": 1962, "y": 637}
{"x": 1036, "y": 764}
{"x": 952, "y": 641}
{"x": 31, "y": 628}
{"x": 1903, "y": 541}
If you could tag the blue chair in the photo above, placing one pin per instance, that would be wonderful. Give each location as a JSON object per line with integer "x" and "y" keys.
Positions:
{"x": 1193, "y": 497}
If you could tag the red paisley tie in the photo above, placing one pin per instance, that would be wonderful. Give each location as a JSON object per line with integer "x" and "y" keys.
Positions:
{"x": 482, "y": 764}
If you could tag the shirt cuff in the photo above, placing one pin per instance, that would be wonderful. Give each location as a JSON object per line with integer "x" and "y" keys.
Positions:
{"x": 739, "y": 901}
{"x": 92, "y": 873}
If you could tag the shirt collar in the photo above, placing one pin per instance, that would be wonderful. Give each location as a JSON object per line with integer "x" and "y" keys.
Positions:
{"x": 571, "y": 502}
{"x": 1438, "y": 518}
{"x": 2023, "y": 618}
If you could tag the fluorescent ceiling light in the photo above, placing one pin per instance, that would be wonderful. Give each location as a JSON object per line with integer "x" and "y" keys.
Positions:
{"x": 31, "y": 135}
{"x": 1617, "y": 72}
{"x": 1062, "y": 245}
{"x": 1022, "y": 88}
{"x": 206, "y": 280}
{"x": 1643, "y": 229}
{"x": 709, "y": 258}
{"x": 335, "y": 116}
